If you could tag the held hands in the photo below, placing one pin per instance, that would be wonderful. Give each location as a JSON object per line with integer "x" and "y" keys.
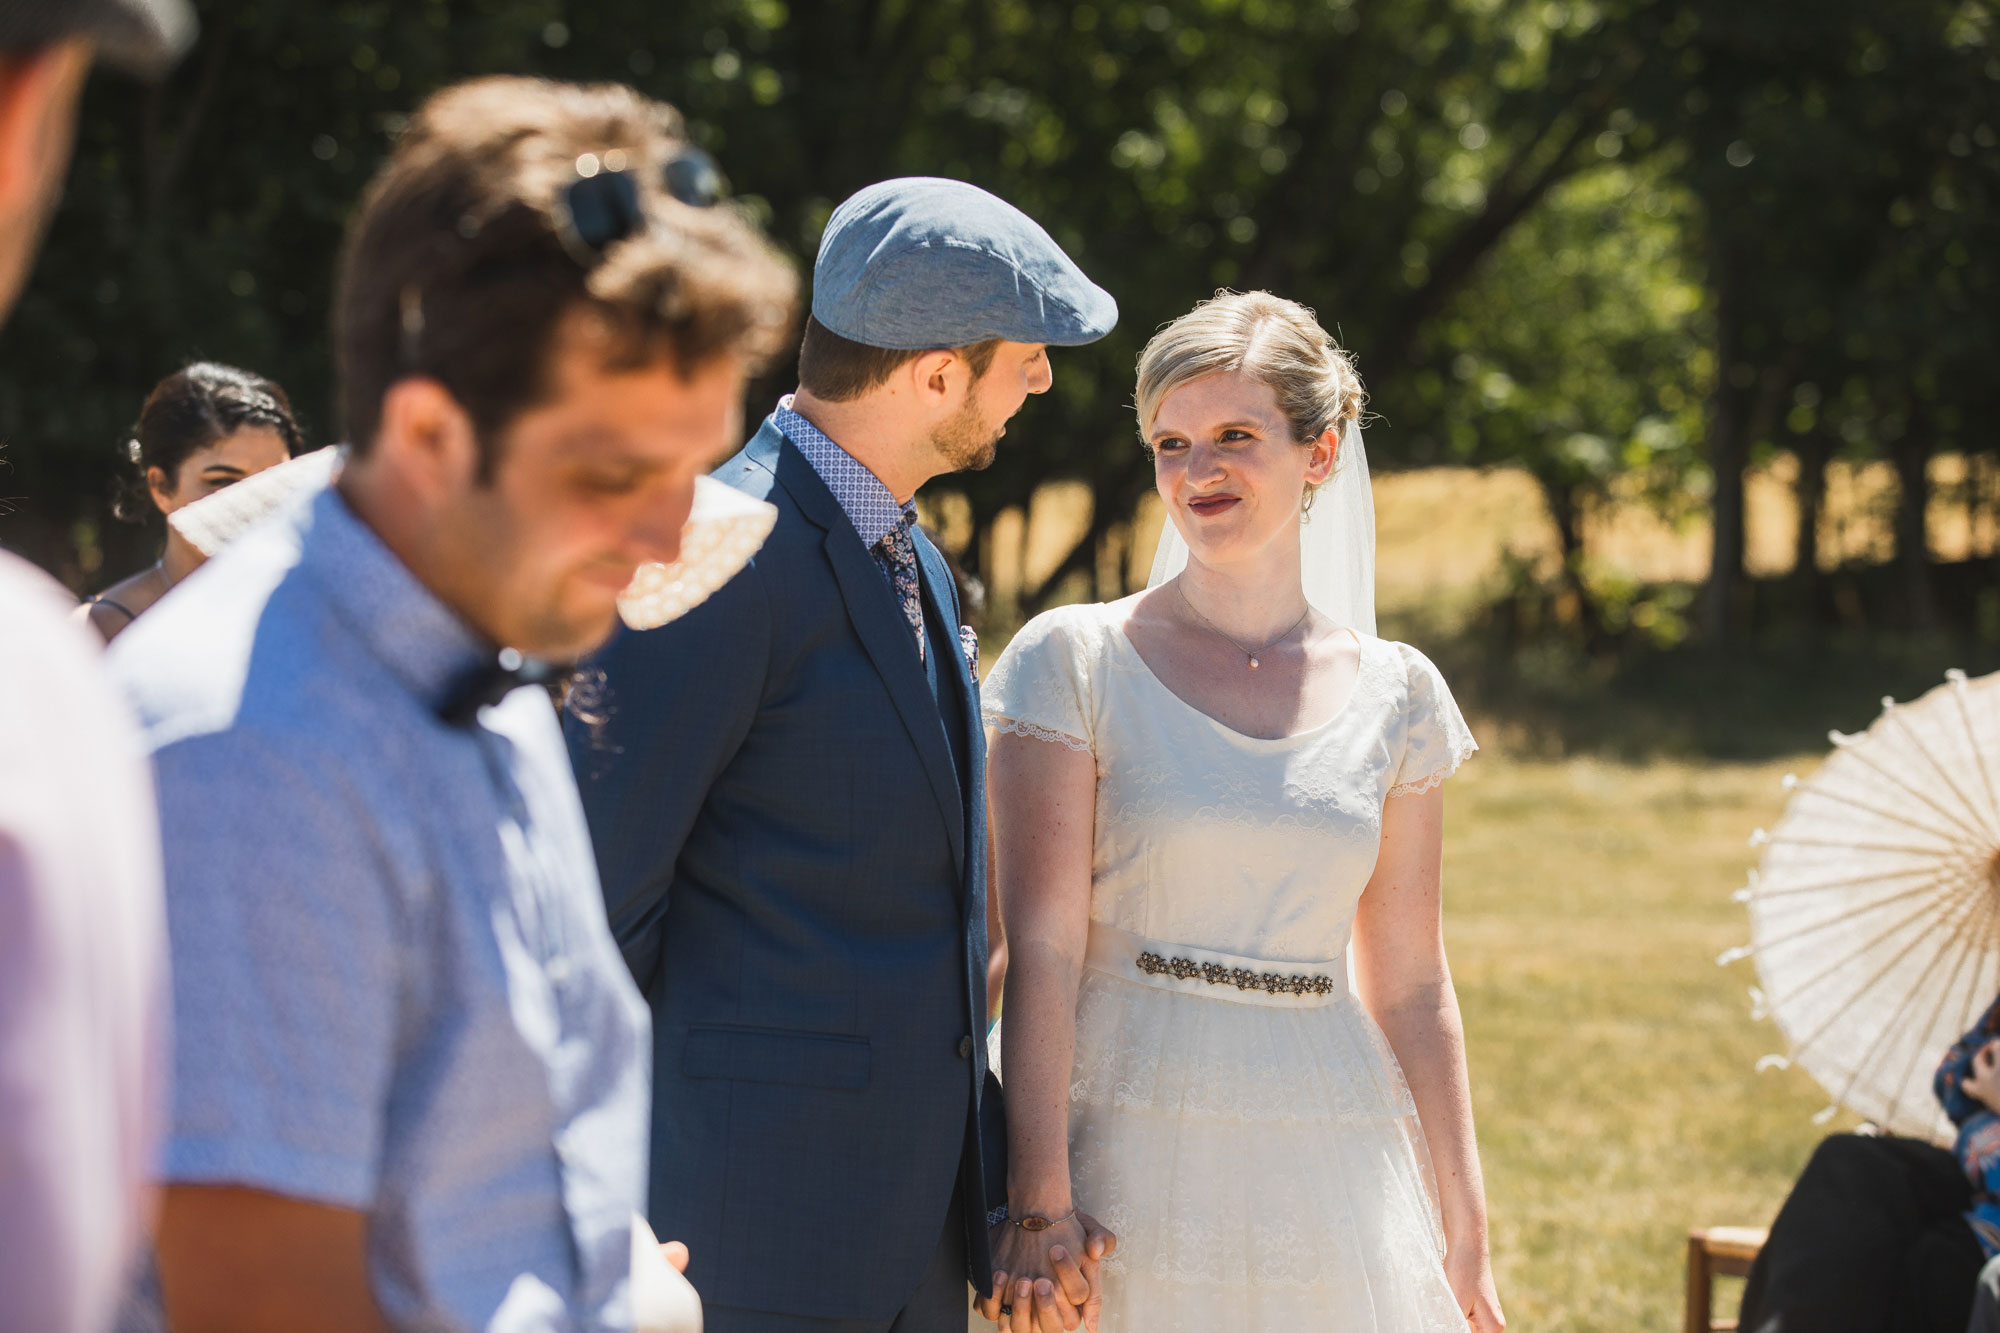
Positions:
{"x": 1047, "y": 1280}
{"x": 1982, "y": 1080}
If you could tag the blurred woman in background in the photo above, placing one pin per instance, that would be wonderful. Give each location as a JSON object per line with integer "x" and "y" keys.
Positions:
{"x": 202, "y": 428}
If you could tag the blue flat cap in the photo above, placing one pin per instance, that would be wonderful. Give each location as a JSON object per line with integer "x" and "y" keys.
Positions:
{"x": 924, "y": 262}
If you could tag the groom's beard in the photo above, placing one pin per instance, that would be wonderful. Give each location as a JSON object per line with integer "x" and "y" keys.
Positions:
{"x": 968, "y": 441}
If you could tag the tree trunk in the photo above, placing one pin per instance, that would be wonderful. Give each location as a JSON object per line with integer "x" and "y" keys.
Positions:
{"x": 1811, "y": 492}
{"x": 164, "y": 154}
{"x": 1082, "y": 559}
{"x": 1728, "y": 454}
{"x": 1913, "y": 497}
{"x": 1459, "y": 258}
{"x": 1566, "y": 512}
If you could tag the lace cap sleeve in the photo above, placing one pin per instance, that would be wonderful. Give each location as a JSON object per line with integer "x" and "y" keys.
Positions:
{"x": 1040, "y": 687}
{"x": 1435, "y": 738}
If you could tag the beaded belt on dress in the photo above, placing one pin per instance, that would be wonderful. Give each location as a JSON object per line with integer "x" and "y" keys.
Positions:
{"x": 1212, "y": 974}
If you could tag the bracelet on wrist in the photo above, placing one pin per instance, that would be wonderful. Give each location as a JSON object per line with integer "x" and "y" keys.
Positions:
{"x": 1037, "y": 1222}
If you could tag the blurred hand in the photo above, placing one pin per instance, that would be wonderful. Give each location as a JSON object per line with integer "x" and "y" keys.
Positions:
{"x": 661, "y": 1299}
{"x": 1471, "y": 1277}
{"x": 1982, "y": 1081}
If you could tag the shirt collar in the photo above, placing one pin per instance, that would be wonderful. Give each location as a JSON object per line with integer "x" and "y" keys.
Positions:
{"x": 868, "y": 504}
{"x": 420, "y": 639}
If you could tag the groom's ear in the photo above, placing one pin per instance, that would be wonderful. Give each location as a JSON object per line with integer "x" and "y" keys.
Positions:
{"x": 939, "y": 379}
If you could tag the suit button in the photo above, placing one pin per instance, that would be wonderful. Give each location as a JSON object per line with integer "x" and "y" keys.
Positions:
{"x": 965, "y": 1048}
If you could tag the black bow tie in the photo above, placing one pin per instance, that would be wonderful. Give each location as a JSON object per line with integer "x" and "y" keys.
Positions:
{"x": 490, "y": 682}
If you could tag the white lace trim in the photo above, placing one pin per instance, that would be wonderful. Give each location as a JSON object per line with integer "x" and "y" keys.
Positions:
{"x": 1014, "y": 726}
{"x": 1462, "y": 749}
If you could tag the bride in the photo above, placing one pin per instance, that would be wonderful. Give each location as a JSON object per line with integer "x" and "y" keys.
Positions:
{"x": 1202, "y": 796}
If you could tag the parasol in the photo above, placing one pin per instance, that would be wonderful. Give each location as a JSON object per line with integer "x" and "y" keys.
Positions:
{"x": 219, "y": 518}
{"x": 1875, "y": 912}
{"x": 724, "y": 529}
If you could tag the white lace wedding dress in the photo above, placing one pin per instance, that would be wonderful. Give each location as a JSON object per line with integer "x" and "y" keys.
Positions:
{"x": 1236, "y": 1116}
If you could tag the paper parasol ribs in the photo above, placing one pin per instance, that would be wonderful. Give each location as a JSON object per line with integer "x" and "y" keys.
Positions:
{"x": 724, "y": 529}
{"x": 218, "y": 519}
{"x": 1875, "y": 914}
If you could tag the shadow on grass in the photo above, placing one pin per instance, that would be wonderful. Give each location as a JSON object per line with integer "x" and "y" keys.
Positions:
{"x": 1777, "y": 695}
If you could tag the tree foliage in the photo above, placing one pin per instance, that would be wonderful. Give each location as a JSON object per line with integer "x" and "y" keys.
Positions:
{"x": 1624, "y": 244}
{"x": 1845, "y": 168}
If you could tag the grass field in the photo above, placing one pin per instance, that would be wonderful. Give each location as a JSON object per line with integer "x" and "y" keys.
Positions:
{"x": 1613, "y": 1062}
{"x": 1591, "y": 853}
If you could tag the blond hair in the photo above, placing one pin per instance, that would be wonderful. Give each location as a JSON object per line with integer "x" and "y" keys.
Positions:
{"x": 1273, "y": 340}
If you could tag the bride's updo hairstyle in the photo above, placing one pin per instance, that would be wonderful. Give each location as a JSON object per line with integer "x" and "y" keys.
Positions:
{"x": 1276, "y": 341}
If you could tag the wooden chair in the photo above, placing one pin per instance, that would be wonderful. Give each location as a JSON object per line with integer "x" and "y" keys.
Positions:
{"x": 1716, "y": 1252}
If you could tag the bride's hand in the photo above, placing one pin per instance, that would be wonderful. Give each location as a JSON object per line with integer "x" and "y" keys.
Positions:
{"x": 1047, "y": 1280}
{"x": 1471, "y": 1278}
{"x": 1098, "y": 1244}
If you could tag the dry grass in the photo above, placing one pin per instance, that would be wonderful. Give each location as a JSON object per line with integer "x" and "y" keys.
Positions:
{"x": 1499, "y": 511}
{"x": 1613, "y": 1061}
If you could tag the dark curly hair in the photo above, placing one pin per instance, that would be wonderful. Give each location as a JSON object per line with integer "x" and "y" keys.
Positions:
{"x": 190, "y": 410}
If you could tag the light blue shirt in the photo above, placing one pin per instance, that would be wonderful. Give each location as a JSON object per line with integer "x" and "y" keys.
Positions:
{"x": 394, "y": 988}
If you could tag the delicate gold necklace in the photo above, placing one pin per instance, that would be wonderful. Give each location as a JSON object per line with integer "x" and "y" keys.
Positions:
{"x": 1252, "y": 654}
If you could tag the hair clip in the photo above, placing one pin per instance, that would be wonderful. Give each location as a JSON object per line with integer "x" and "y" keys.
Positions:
{"x": 410, "y": 324}
{"x": 135, "y": 451}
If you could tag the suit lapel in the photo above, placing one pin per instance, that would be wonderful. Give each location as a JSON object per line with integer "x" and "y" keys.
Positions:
{"x": 878, "y": 622}
{"x": 943, "y": 613}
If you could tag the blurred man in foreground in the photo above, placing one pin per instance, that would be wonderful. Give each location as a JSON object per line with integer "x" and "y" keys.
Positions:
{"x": 82, "y": 968}
{"x": 410, "y": 1075}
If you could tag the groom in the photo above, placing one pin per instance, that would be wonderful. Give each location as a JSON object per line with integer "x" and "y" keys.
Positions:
{"x": 786, "y": 793}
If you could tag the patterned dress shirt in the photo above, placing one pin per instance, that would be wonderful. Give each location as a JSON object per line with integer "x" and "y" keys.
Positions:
{"x": 869, "y": 506}
{"x": 394, "y": 987}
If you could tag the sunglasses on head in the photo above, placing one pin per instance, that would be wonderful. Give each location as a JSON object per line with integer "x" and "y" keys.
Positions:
{"x": 601, "y": 206}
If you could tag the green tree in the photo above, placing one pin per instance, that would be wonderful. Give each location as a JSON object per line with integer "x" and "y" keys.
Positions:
{"x": 1844, "y": 167}
{"x": 1505, "y": 207}
{"x": 1363, "y": 158}
{"x": 1582, "y": 357}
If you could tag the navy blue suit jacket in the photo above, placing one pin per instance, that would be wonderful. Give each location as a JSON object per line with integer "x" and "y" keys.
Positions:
{"x": 794, "y": 860}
